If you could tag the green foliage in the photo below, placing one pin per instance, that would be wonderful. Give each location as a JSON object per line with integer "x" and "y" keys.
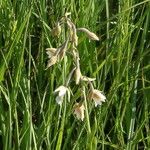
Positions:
{"x": 30, "y": 118}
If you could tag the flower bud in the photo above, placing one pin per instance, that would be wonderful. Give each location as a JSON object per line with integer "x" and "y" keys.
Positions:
{"x": 90, "y": 34}
{"x": 56, "y": 30}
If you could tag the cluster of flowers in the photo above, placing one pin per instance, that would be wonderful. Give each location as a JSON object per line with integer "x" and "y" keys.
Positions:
{"x": 57, "y": 54}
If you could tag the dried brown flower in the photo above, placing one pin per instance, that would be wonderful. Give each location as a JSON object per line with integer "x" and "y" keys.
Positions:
{"x": 52, "y": 61}
{"x": 79, "y": 111}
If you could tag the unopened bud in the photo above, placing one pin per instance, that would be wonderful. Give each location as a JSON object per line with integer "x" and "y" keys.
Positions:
{"x": 90, "y": 34}
{"x": 56, "y": 30}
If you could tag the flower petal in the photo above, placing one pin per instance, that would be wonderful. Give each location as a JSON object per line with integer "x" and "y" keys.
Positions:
{"x": 84, "y": 78}
{"x": 62, "y": 90}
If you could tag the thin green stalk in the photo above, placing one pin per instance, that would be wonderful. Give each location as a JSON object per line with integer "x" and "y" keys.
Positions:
{"x": 86, "y": 112}
{"x": 61, "y": 130}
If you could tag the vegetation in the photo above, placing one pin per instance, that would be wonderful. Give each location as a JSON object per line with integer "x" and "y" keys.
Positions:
{"x": 30, "y": 117}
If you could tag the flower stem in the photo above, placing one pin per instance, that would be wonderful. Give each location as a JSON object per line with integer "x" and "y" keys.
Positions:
{"x": 86, "y": 111}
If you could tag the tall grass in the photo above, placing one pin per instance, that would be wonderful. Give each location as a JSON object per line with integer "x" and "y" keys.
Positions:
{"x": 29, "y": 115}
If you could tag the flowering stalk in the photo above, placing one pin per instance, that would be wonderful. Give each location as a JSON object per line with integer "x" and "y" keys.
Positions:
{"x": 69, "y": 46}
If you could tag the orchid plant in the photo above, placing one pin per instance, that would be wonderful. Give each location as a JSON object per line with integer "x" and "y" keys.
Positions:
{"x": 57, "y": 55}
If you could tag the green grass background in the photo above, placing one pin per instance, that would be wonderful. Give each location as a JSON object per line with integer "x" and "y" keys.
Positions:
{"x": 120, "y": 61}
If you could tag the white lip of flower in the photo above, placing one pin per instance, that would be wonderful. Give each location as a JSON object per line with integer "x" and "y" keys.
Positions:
{"x": 79, "y": 111}
{"x": 97, "y": 96}
{"x": 59, "y": 100}
{"x": 62, "y": 90}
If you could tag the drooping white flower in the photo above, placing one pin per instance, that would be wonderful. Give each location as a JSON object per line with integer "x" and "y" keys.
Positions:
{"x": 79, "y": 111}
{"x": 62, "y": 90}
{"x": 97, "y": 96}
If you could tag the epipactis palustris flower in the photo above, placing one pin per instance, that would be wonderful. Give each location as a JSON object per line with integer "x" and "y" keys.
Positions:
{"x": 61, "y": 90}
{"x": 79, "y": 111}
{"x": 97, "y": 96}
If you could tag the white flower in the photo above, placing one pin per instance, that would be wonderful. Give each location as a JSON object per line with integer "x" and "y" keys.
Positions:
{"x": 79, "y": 111}
{"x": 62, "y": 90}
{"x": 97, "y": 96}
